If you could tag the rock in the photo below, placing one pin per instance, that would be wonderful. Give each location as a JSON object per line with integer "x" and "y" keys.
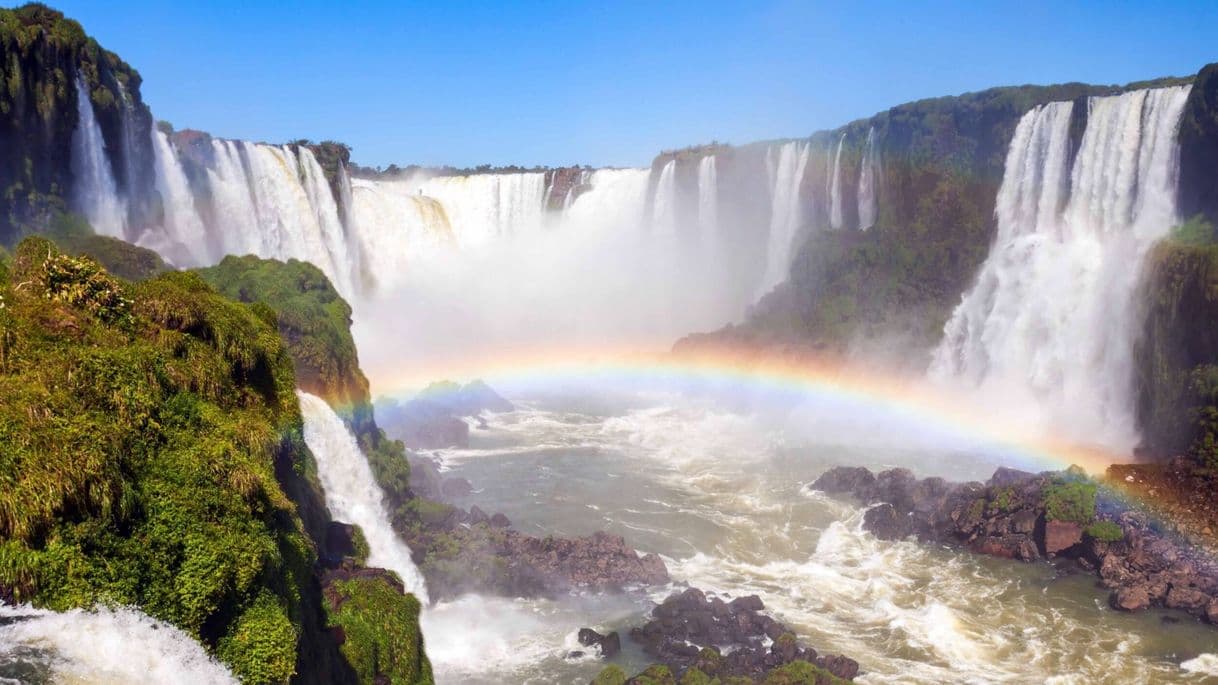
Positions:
{"x": 688, "y": 630}
{"x": 1061, "y": 536}
{"x": 885, "y": 523}
{"x": 841, "y": 479}
{"x": 840, "y": 666}
{"x": 456, "y": 487}
{"x": 500, "y": 521}
{"x": 1005, "y": 476}
{"x": 1211, "y": 611}
{"x": 609, "y": 644}
{"x": 1131, "y": 599}
{"x": 1024, "y": 521}
{"x": 476, "y": 516}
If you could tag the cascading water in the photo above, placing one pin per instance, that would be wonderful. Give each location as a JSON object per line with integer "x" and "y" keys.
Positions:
{"x": 664, "y": 202}
{"x": 785, "y": 167}
{"x": 835, "y": 187}
{"x": 102, "y": 646}
{"x": 1053, "y": 312}
{"x": 95, "y": 194}
{"x": 182, "y": 239}
{"x": 868, "y": 177}
{"x": 352, "y": 494}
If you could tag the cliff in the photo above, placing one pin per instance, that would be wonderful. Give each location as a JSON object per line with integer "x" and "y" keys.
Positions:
{"x": 939, "y": 164}
{"x": 43, "y": 56}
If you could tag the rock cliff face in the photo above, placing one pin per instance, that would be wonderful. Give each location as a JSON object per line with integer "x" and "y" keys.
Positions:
{"x": 44, "y": 55}
{"x": 1199, "y": 148}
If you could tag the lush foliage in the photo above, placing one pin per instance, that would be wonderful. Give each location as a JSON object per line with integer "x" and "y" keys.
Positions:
{"x": 72, "y": 234}
{"x": 140, "y": 430}
{"x": 1070, "y": 500}
{"x": 383, "y": 642}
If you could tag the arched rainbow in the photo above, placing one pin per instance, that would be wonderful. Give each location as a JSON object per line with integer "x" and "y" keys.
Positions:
{"x": 792, "y": 376}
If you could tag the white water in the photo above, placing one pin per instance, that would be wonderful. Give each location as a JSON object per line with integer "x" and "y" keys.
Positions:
{"x": 94, "y": 194}
{"x": 785, "y": 166}
{"x": 868, "y": 178}
{"x": 352, "y": 494}
{"x": 104, "y": 646}
{"x": 835, "y": 187}
{"x": 1052, "y": 316}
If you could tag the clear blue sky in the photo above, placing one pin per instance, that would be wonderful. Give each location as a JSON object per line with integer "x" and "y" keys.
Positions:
{"x": 607, "y": 82}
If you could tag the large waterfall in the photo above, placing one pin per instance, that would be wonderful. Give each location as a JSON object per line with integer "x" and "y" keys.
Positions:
{"x": 708, "y": 198}
{"x": 352, "y": 494}
{"x": 836, "y": 211}
{"x": 868, "y": 179}
{"x": 1053, "y": 313}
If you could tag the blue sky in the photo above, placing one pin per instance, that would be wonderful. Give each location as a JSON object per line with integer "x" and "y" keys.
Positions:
{"x": 607, "y": 83}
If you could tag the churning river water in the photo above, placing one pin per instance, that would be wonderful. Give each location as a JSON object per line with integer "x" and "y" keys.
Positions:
{"x": 722, "y": 497}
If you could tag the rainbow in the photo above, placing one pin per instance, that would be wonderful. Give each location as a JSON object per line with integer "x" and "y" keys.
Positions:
{"x": 794, "y": 375}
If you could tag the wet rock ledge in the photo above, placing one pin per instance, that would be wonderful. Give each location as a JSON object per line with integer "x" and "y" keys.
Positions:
{"x": 1059, "y": 516}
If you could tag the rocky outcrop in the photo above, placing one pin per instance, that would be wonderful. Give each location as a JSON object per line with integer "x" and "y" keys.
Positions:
{"x": 608, "y": 645}
{"x": 1017, "y": 515}
{"x": 564, "y": 185}
{"x": 723, "y": 639}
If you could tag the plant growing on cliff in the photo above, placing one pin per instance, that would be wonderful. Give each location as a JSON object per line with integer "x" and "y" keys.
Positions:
{"x": 380, "y": 624}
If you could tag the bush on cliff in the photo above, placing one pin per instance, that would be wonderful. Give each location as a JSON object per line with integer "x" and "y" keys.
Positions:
{"x": 1070, "y": 500}
{"x": 380, "y": 625}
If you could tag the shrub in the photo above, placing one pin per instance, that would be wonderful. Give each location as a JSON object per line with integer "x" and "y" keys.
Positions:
{"x": 1105, "y": 531}
{"x": 382, "y": 631}
{"x": 610, "y": 675}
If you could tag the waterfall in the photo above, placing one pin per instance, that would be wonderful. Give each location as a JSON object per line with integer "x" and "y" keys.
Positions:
{"x": 785, "y": 168}
{"x": 484, "y": 207}
{"x": 103, "y": 645}
{"x": 708, "y": 198}
{"x": 1053, "y": 312}
{"x": 868, "y": 177}
{"x": 835, "y": 187}
{"x": 664, "y": 202}
{"x": 614, "y": 202}
{"x": 394, "y": 226}
{"x": 95, "y": 194}
{"x": 352, "y": 494}
{"x": 183, "y": 237}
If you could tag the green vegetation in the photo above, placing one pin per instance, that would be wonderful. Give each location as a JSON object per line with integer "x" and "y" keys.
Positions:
{"x": 381, "y": 626}
{"x": 140, "y": 430}
{"x": 1002, "y": 500}
{"x": 1070, "y": 500}
{"x": 1194, "y": 232}
{"x": 801, "y": 673}
{"x": 610, "y": 675}
{"x": 1105, "y": 531}
{"x": 654, "y": 675}
{"x": 72, "y": 234}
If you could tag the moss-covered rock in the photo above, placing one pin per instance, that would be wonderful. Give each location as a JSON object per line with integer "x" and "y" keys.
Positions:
{"x": 610, "y": 675}
{"x": 380, "y": 627}
{"x": 801, "y": 673}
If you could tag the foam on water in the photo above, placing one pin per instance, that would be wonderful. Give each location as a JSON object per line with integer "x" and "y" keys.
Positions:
{"x": 103, "y": 646}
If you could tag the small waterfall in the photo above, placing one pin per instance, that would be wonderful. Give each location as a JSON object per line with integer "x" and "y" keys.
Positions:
{"x": 835, "y": 187}
{"x": 95, "y": 194}
{"x": 664, "y": 202}
{"x": 352, "y": 494}
{"x": 614, "y": 202}
{"x": 183, "y": 237}
{"x": 1052, "y": 314}
{"x": 868, "y": 177}
{"x": 708, "y": 198}
{"x": 103, "y": 645}
{"x": 785, "y": 167}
